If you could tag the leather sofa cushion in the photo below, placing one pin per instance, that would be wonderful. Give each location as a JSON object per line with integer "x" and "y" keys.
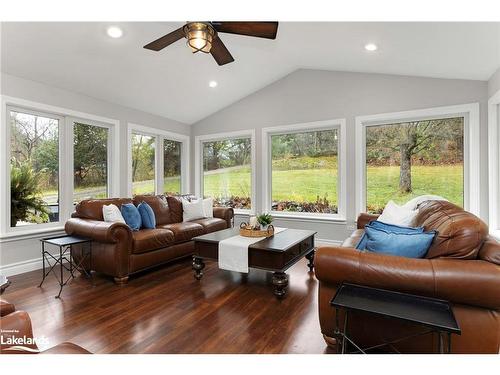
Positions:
{"x": 185, "y": 231}
{"x": 6, "y": 307}
{"x": 212, "y": 224}
{"x": 159, "y": 205}
{"x": 151, "y": 239}
{"x": 92, "y": 208}
{"x": 460, "y": 233}
{"x": 175, "y": 205}
{"x": 353, "y": 240}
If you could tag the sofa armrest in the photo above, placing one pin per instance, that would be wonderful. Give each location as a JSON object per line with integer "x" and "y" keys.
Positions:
{"x": 17, "y": 325}
{"x": 471, "y": 282}
{"x": 226, "y": 213}
{"x": 364, "y": 219}
{"x": 99, "y": 231}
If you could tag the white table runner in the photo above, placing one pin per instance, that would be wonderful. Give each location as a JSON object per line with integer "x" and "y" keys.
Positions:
{"x": 233, "y": 252}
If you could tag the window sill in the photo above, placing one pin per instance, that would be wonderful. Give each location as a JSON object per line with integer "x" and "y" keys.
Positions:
{"x": 239, "y": 212}
{"x": 29, "y": 233}
{"x": 313, "y": 218}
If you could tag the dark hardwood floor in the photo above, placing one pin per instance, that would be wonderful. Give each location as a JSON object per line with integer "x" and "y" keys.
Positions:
{"x": 168, "y": 311}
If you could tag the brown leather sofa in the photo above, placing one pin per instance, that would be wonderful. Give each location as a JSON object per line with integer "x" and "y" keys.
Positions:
{"x": 117, "y": 251}
{"x": 461, "y": 266}
{"x": 16, "y": 325}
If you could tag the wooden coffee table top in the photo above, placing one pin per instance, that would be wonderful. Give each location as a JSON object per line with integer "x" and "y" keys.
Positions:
{"x": 280, "y": 242}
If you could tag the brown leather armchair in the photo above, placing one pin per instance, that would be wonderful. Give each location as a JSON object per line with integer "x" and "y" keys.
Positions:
{"x": 117, "y": 251}
{"x": 461, "y": 266}
{"x": 16, "y": 325}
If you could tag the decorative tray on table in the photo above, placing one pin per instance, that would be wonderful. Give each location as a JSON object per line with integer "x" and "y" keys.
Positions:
{"x": 247, "y": 231}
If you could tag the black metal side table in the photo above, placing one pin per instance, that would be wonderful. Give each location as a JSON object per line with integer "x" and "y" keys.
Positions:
{"x": 434, "y": 314}
{"x": 65, "y": 245}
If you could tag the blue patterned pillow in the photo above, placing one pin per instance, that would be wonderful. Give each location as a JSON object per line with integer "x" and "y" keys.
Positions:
{"x": 132, "y": 216}
{"x": 147, "y": 215}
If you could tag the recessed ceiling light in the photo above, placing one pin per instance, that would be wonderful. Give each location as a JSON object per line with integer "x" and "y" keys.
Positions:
{"x": 114, "y": 32}
{"x": 212, "y": 84}
{"x": 371, "y": 47}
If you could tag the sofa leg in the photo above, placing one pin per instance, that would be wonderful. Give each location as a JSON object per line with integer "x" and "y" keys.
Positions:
{"x": 121, "y": 280}
{"x": 330, "y": 341}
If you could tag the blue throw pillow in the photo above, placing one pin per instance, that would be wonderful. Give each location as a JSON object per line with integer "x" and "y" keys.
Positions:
{"x": 147, "y": 215}
{"x": 409, "y": 245}
{"x": 391, "y": 228}
{"x": 132, "y": 216}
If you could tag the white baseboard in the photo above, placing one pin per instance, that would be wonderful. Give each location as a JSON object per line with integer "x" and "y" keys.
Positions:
{"x": 21, "y": 267}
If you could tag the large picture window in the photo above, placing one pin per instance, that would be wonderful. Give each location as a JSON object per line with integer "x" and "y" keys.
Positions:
{"x": 34, "y": 168}
{"x": 90, "y": 161}
{"x": 227, "y": 172}
{"x": 402, "y": 155}
{"x": 408, "y": 159}
{"x": 305, "y": 170}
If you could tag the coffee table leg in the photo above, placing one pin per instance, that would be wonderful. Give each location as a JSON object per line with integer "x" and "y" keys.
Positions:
{"x": 310, "y": 258}
{"x": 198, "y": 266}
{"x": 280, "y": 282}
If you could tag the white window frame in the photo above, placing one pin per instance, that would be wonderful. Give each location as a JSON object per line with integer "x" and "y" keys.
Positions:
{"x": 198, "y": 147}
{"x": 65, "y": 116}
{"x": 159, "y": 136}
{"x": 494, "y": 163}
{"x": 340, "y": 126}
{"x": 470, "y": 112}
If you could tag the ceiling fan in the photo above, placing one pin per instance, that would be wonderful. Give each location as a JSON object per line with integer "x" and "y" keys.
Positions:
{"x": 204, "y": 36}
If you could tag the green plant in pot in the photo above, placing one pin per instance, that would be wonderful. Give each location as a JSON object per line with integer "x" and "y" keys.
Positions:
{"x": 25, "y": 201}
{"x": 264, "y": 220}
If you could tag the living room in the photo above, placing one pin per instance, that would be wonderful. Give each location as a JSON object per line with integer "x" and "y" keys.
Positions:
{"x": 267, "y": 187}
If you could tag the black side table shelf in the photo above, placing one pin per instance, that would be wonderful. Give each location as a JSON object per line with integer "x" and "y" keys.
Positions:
{"x": 65, "y": 245}
{"x": 434, "y": 314}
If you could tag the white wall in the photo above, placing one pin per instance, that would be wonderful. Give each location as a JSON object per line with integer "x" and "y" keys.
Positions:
{"x": 22, "y": 255}
{"x": 314, "y": 95}
{"x": 494, "y": 83}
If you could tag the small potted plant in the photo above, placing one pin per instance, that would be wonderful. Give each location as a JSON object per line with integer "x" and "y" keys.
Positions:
{"x": 264, "y": 220}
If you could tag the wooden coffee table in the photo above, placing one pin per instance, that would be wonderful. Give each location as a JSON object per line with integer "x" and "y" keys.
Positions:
{"x": 275, "y": 254}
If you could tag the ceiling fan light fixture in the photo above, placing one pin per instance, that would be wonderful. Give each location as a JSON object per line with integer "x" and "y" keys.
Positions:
{"x": 199, "y": 36}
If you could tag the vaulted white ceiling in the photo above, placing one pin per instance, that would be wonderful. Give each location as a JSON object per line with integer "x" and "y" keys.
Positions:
{"x": 174, "y": 83}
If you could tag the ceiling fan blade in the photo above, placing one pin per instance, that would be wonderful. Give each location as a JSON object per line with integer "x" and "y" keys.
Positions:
{"x": 166, "y": 40}
{"x": 220, "y": 52}
{"x": 258, "y": 29}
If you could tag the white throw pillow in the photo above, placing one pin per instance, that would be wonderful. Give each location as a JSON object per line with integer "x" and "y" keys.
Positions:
{"x": 208, "y": 207}
{"x": 112, "y": 214}
{"x": 415, "y": 202}
{"x": 192, "y": 210}
{"x": 398, "y": 215}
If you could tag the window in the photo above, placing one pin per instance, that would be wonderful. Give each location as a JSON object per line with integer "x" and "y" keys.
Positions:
{"x": 227, "y": 172}
{"x": 158, "y": 161}
{"x": 90, "y": 161}
{"x": 494, "y": 164}
{"x": 34, "y": 168}
{"x": 408, "y": 159}
{"x": 305, "y": 170}
{"x": 172, "y": 166}
{"x": 225, "y": 165}
{"x": 143, "y": 164}
{"x": 406, "y": 154}
{"x": 55, "y": 157}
